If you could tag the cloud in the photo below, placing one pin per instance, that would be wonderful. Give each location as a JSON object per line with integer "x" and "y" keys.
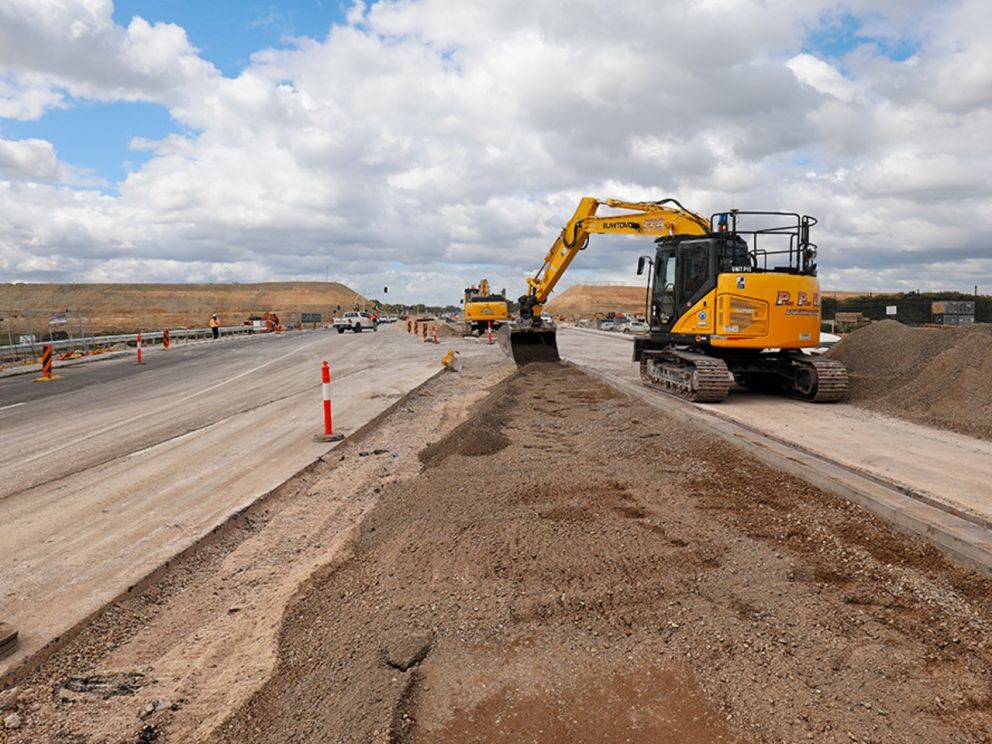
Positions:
{"x": 427, "y": 144}
{"x": 32, "y": 159}
{"x": 75, "y": 46}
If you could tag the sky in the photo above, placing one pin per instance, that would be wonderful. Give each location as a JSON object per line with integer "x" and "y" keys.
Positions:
{"x": 425, "y": 144}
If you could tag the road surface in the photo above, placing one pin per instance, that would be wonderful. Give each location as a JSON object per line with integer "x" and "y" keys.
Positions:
{"x": 115, "y": 469}
{"x": 943, "y": 467}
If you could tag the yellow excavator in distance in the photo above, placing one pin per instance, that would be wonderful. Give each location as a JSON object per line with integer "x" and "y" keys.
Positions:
{"x": 482, "y": 307}
{"x": 732, "y": 298}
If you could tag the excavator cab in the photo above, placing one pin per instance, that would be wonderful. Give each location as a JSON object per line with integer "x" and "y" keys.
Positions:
{"x": 685, "y": 269}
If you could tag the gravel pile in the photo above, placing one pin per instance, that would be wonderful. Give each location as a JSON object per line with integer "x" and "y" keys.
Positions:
{"x": 933, "y": 376}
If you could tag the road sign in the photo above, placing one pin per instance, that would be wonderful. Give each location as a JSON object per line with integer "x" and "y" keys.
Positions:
{"x": 310, "y": 318}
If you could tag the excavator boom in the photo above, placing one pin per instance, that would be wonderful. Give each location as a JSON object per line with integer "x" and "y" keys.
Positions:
{"x": 532, "y": 340}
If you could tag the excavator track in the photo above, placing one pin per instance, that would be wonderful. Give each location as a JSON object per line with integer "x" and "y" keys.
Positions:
{"x": 690, "y": 376}
{"x": 825, "y": 380}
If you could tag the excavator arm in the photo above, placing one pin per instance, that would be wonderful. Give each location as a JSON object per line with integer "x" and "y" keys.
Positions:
{"x": 530, "y": 340}
{"x": 665, "y": 217}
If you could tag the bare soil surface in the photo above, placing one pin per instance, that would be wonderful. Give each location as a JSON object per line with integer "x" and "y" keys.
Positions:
{"x": 572, "y": 567}
{"x": 934, "y": 376}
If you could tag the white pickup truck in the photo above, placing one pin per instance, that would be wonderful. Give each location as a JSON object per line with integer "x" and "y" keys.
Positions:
{"x": 355, "y": 320}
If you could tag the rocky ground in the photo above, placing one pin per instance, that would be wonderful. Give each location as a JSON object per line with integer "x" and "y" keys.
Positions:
{"x": 564, "y": 565}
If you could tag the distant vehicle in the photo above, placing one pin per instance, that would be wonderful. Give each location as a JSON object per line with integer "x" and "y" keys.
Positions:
{"x": 356, "y": 321}
{"x": 607, "y": 324}
{"x": 636, "y": 326}
{"x": 547, "y": 319}
{"x": 388, "y": 319}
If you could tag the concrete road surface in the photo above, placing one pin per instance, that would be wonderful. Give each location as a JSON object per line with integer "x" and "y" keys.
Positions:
{"x": 110, "y": 472}
{"x": 943, "y": 466}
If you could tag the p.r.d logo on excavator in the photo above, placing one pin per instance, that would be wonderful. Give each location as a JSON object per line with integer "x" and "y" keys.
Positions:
{"x": 802, "y": 299}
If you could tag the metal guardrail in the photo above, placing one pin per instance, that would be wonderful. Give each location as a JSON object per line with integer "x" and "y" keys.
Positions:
{"x": 93, "y": 342}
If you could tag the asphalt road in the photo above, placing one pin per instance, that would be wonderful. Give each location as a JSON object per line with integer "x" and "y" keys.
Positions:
{"x": 18, "y": 385}
{"x": 942, "y": 466}
{"x": 114, "y": 469}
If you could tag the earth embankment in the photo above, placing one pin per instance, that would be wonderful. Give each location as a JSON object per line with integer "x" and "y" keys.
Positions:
{"x": 591, "y": 300}
{"x": 131, "y": 307}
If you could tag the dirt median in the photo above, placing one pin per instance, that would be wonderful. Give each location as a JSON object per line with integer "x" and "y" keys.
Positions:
{"x": 572, "y": 567}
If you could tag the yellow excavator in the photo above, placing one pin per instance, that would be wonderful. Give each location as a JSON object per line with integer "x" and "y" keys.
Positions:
{"x": 483, "y": 308}
{"x": 732, "y": 298}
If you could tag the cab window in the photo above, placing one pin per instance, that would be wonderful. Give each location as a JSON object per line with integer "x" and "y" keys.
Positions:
{"x": 694, "y": 268}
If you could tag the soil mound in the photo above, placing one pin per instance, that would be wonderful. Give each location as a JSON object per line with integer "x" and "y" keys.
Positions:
{"x": 446, "y": 330}
{"x": 481, "y": 435}
{"x": 934, "y": 376}
{"x": 586, "y": 301}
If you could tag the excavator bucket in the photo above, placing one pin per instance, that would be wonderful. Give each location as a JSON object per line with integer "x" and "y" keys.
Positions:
{"x": 529, "y": 345}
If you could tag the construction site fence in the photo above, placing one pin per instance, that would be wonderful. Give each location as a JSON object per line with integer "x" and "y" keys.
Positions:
{"x": 88, "y": 344}
{"x": 911, "y": 308}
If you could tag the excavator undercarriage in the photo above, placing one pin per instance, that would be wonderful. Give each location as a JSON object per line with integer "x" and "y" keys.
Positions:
{"x": 706, "y": 379}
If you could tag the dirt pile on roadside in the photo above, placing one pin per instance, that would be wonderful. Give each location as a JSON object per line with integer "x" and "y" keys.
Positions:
{"x": 613, "y": 575}
{"x": 934, "y": 376}
{"x": 447, "y": 330}
{"x": 588, "y": 300}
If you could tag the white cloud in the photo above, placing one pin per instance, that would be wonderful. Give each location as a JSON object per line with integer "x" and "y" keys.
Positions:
{"x": 431, "y": 143}
{"x": 75, "y": 46}
{"x": 33, "y": 159}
